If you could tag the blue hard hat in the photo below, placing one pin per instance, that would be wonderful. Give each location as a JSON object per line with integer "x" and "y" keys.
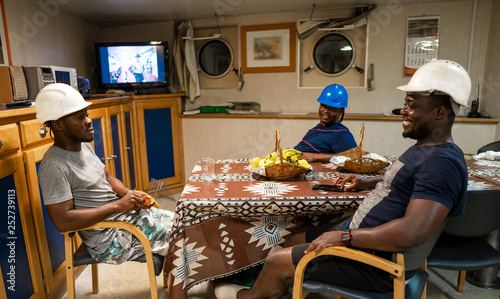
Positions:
{"x": 334, "y": 95}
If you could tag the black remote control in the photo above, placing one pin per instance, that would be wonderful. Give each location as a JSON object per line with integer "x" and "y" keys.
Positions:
{"x": 327, "y": 187}
{"x": 18, "y": 104}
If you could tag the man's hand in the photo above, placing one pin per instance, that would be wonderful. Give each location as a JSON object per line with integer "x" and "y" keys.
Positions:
{"x": 357, "y": 182}
{"x": 133, "y": 201}
{"x": 328, "y": 239}
{"x": 149, "y": 201}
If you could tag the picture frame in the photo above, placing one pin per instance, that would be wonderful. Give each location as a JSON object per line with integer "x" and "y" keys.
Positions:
{"x": 268, "y": 48}
{"x": 5, "y": 59}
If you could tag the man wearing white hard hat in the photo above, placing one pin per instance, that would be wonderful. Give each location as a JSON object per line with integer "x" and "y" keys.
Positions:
{"x": 408, "y": 204}
{"x": 79, "y": 191}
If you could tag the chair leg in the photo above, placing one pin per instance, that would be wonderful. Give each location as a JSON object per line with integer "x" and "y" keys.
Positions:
{"x": 424, "y": 292}
{"x": 95, "y": 279}
{"x": 151, "y": 273}
{"x": 70, "y": 275}
{"x": 461, "y": 281}
{"x": 165, "y": 281}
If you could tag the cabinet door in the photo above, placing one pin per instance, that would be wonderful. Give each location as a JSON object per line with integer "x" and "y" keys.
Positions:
{"x": 116, "y": 156}
{"x": 101, "y": 141}
{"x": 130, "y": 164}
{"x": 19, "y": 260}
{"x": 160, "y": 141}
{"x": 49, "y": 240}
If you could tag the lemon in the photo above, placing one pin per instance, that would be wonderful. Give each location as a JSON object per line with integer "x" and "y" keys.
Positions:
{"x": 303, "y": 163}
{"x": 274, "y": 156}
{"x": 255, "y": 162}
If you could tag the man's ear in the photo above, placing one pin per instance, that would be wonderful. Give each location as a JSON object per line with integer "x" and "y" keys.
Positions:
{"x": 440, "y": 112}
{"x": 56, "y": 125}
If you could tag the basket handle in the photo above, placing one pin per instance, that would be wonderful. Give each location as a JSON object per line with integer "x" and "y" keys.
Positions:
{"x": 277, "y": 147}
{"x": 361, "y": 135}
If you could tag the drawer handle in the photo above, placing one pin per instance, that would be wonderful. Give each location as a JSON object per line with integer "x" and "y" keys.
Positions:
{"x": 42, "y": 132}
{"x": 112, "y": 157}
{"x": 128, "y": 148}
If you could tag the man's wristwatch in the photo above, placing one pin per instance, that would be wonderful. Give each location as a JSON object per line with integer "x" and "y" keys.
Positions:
{"x": 346, "y": 238}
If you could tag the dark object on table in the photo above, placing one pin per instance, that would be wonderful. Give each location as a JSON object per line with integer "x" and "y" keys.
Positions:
{"x": 18, "y": 104}
{"x": 462, "y": 247}
{"x": 397, "y": 111}
{"x": 494, "y": 146}
{"x": 84, "y": 87}
{"x": 326, "y": 187}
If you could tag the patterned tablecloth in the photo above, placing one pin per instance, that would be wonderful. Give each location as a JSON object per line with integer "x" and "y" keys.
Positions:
{"x": 232, "y": 223}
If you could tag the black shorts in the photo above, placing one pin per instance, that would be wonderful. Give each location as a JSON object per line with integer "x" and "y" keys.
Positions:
{"x": 341, "y": 271}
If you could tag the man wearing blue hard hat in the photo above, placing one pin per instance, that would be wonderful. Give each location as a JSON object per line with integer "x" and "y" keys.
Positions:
{"x": 330, "y": 136}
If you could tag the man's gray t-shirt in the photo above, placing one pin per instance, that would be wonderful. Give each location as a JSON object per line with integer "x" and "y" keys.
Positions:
{"x": 66, "y": 175}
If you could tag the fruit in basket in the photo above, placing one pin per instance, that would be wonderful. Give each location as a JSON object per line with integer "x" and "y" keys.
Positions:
{"x": 255, "y": 162}
{"x": 303, "y": 163}
{"x": 290, "y": 155}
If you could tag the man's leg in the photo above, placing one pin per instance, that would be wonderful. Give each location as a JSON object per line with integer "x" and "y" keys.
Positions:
{"x": 274, "y": 279}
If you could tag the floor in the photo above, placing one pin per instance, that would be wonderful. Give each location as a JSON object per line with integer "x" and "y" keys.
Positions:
{"x": 130, "y": 280}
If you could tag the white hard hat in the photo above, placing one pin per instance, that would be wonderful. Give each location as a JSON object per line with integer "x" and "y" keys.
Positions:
{"x": 57, "y": 100}
{"x": 441, "y": 76}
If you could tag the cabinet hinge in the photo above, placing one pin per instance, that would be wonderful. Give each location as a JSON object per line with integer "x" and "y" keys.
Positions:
{"x": 25, "y": 168}
{"x": 44, "y": 283}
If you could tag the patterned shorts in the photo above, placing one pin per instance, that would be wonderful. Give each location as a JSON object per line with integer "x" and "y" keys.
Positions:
{"x": 156, "y": 224}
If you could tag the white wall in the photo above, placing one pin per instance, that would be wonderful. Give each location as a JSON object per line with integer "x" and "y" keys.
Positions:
{"x": 40, "y": 34}
{"x": 223, "y": 138}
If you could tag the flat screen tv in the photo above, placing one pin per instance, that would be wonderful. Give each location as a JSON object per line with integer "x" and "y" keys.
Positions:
{"x": 138, "y": 66}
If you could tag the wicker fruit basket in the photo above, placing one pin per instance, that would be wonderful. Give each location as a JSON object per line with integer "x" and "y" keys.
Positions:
{"x": 283, "y": 170}
{"x": 362, "y": 164}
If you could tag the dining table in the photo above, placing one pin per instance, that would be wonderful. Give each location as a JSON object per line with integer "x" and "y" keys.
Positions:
{"x": 230, "y": 224}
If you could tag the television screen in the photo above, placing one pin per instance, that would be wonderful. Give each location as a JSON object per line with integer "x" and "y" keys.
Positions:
{"x": 136, "y": 65}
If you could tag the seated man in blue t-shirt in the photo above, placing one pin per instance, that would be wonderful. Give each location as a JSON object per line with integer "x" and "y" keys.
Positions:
{"x": 404, "y": 210}
{"x": 330, "y": 136}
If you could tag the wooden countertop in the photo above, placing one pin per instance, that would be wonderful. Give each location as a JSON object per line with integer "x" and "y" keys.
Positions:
{"x": 12, "y": 115}
{"x": 348, "y": 116}
{"x": 20, "y": 114}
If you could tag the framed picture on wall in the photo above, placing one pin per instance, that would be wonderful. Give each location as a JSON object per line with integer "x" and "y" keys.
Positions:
{"x": 4, "y": 51}
{"x": 268, "y": 48}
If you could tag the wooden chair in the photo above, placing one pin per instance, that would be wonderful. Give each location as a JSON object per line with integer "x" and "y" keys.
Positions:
{"x": 412, "y": 259}
{"x": 82, "y": 257}
{"x": 461, "y": 246}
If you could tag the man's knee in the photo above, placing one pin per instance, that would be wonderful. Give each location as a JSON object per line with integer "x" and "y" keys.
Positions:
{"x": 279, "y": 259}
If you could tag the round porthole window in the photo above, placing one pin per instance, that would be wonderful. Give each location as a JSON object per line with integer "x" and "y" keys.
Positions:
{"x": 333, "y": 54}
{"x": 215, "y": 58}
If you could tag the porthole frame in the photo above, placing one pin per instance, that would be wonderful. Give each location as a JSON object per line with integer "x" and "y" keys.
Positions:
{"x": 201, "y": 69}
{"x": 350, "y": 64}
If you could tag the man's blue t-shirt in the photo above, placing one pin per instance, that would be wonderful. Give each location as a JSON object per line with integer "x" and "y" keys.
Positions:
{"x": 437, "y": 173}
{"x": 330, "y": 139}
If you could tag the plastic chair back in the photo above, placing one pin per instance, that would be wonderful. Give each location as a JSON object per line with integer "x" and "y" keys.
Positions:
{"x": 416, "y": 256}
{"x": 480, "y": 217}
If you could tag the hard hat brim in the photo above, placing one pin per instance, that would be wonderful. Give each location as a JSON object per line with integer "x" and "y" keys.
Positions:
{"x": 68, "y": 112}
{"x": 329, "y": 104}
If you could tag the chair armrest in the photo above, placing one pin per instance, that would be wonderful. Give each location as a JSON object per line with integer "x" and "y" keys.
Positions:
{"x": 395, "y": 269}
{"x": 122, "y": 225}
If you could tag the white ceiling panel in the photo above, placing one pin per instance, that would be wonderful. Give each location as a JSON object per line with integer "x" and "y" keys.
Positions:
{"x": 109, "y": 13}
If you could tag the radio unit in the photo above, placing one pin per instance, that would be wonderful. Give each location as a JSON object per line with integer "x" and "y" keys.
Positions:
{"x": 36, "y": 78}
